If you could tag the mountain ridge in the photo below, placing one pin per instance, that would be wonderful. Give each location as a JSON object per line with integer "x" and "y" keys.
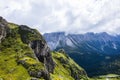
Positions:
{"x": 93, "y": 51}
{"x": 58, "y": 36}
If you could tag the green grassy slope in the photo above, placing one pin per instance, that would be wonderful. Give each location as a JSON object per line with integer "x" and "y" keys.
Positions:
{"x": 11, "y": 50}
{"x": 66, "y": 68}
{"x": 17, "y": 59}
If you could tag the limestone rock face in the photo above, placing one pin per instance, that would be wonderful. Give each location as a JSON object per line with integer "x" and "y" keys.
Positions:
{"x": 39, "y": 46}
{"x": 3, "y": 28}
{"x": 42, "y": 51}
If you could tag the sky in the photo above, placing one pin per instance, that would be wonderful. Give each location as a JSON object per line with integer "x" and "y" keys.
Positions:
{"x": 71, "y": 16}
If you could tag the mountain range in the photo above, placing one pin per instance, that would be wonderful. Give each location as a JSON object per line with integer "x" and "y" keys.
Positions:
{"x": 97, "y": 53}
{"x": 25, "y": 54}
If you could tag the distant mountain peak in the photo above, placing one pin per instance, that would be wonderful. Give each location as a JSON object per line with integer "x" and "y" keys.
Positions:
{"x": 90, "y": 50}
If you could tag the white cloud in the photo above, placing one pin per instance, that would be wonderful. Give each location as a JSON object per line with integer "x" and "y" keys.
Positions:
{"x": 72, "y": 16}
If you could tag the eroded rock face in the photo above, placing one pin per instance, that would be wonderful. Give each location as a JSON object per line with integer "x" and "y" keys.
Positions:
{"x": 41, "y": 73}
{"x": 42, "y": 51}
{"x": 3, "y": 28}
{"x": 40, "y": 48}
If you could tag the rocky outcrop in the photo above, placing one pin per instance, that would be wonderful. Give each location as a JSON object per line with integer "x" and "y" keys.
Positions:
{"x": 39, "y": 74}
{"x": 3, "y": 28}
{"x": 35, "y": 40}
{"x": 42, "y": 51}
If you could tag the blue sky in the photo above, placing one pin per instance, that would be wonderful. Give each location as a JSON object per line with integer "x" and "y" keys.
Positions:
{"x": 71, "y": 16}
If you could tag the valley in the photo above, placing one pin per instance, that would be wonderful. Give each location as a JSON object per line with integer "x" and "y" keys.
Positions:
{"x": 97, "y": 53}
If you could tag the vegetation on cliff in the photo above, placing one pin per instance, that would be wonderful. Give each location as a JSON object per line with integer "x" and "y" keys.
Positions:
{"x": 24, "y": 55}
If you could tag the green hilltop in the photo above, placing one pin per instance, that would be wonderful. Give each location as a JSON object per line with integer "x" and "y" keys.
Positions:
{"x": 24, "y": 55}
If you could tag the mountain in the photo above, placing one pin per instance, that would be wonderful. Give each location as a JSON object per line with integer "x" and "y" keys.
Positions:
{"x": 97, "y": 53}
{"x": 25, "y": 55}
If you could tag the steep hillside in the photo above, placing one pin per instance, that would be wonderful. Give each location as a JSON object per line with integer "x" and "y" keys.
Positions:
{"x": 24, "y": 55}
{"x": 66, "y": 68}
{"x": 97, "y": 53}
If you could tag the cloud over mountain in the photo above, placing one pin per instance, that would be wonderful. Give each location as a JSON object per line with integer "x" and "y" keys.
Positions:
{"x": 72, "y": 16}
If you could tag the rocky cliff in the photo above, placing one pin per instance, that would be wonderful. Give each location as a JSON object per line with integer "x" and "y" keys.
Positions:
{"x": 3, "y": 28}
{"x": 39, "y": 46}
{"x": 25, "y": 55}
